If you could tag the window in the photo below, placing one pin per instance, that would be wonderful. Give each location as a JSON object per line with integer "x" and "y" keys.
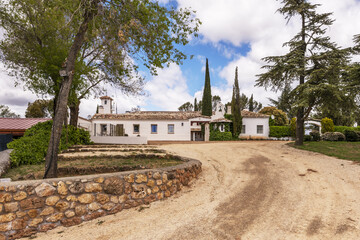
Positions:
{"x": 94, "y": 129}
{"x": 221, "y": 127}
{"x": 259, "y": 129}
{"x": 171, "y": 129}
{"x": 153, "y": 128}
{"x": 136, "y": 128}
{"x": 105, "y": 102}
{"x": 243, "y": 129}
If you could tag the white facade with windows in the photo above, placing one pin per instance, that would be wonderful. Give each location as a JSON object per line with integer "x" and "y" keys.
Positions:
{"x": 255, "y": 128}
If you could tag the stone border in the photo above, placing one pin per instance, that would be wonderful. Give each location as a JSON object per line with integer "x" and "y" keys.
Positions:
{"x": 28, "y": 207}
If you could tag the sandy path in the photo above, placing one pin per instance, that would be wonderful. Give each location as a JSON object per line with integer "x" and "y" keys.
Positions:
{"x": 248, "y": 190}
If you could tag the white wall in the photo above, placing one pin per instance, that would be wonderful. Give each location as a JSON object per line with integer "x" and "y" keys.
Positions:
{"x": 251, "y": 128}
{"x": 84, "y": 124}
{"x": 181, "y": 129}
{"x": 118, "y": 140}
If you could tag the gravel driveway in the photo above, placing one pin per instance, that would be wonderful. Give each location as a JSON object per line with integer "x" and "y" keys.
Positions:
{"x": 248, "y": 190}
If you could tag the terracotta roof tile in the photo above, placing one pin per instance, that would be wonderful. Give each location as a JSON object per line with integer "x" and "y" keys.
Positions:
{"x": 248, "y": 114}
{"x": 20, "y": 123}
{"x": 151, "y": 115}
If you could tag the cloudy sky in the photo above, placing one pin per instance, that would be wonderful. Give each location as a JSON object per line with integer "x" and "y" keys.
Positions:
{"x": 233, "y": 33}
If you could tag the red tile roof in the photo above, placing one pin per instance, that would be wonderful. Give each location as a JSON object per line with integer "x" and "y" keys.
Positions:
{"x": 151, "y": 115}
{"x": 19, "y": 123}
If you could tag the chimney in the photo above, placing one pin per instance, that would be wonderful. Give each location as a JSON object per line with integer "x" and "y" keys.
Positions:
{"x": 228, "y": 109}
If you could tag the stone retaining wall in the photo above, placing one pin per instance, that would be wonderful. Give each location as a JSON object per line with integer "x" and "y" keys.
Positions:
{"x": 40, "y": 205}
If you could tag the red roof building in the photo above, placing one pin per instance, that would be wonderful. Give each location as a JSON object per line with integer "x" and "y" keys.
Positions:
{"x": 17, "y": 126}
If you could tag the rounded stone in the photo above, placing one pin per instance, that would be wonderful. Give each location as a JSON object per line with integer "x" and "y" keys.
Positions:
{"x": 76, "y": 187}
{"x": 151, "y": 183}
{"x": 51, "y": 201}
{"x": 69, "y": 214}
{"x": 159, "y": 182}
{"x": 55, "y": 217}
{"x": 102, "y": 198}
{"x": 62, "y": 206}
{"x": 130, "y": 178}
{"x": 5, "y": 197}
{"x": 71, "y": 198}
{"x": 140, "y": 178}
{"x": 47, "y": 211}
{"x": 11, "y": 207}
{"x": 99, "y": 180}
{"x": 114, "y": 185}
{"x": 32, "y": 203}
{"x": 20, "y": 214}
{"x": 114, "y": 199}
{"x": 18, "y": 224}
{"x": 80, "y": 210}
{"x": 7, "y": 217}
{"x": 35, "y": 222}
{"x": 155, "y": 189}
{"x": 123, "y": 198}
{"x": 108, "y": 206}
{"x": 62, "y": 188}
{"x": 20, "y": 196}
{"x": 86, "y": 198}
{"x": 94, "y": 206}
{"x": 33, "y": 213}
{"x": 1, "y": 208}
{"x": 5, "y": 227}
{"x": 44, "y": 190}
{"x": 157, "y": 176}
{"x": 164, "y": 177}
{"x": 93, "y": 187}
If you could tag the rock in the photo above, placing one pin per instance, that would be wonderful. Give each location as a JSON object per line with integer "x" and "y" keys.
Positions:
{"x": 108, "y": 206}
{"x": 5, "y": 227}
{"x": 159, "y": 182}
{"x": 149, "y": 199}
{"x": 114, "y": 185}
{"x": 116, "y": 209}
{"x": 80, "y": 210}
{"x": 157, "y": 176}
{"x": 129, "y": 178}
{"x": 139, "y": 191}
{"x": 151, "y": 183}
{"x": 11, "y": 189}
{"x": 102, "y": 198}
{"x": 113, "y": 199}
{"x": 1, "y": 208}
{"x": 47, "y": 227}
{"x": 35, "y": 222}
{"x": 167, "y": 193}
{"x": 51, "y": 201}
{"x": 160, "y": 195}
{"x": 86, "y": 198}
{"x": 69, "y": 213}
{"x": 2, "y": 237}
{"x": 155, "y": 189}
{"x": 93, "y": 215}
{"x": 62, "y": 188}
{"x": 123, "y": 198}
{"x": 62, "y": 206}
{"x": 76, "y": 188}
{"x": 44, "y": 190}
{"x": 5, "y": 197}
{"x": 71, "y": 198}
{"x": 20, "y": 195}
{"x": 31, "y": 203}
{"x": 163, "y": 187}
{"x": 20, "y": 214}
{"x": 32, "y": 213}
{"x": 18, "y": 224}
{"x": 71, "y": 221}
{"x": 164, "y": 177}
{"x": 169, "y": 183}
{"x": 128, "y": 188}
{"x": 55, "y": 217}
{"x": 93, "y": 187}
{"x": 130, "y": 204}
{"x": 99, "y": 180}
{"x": 149, "y": 175}
{"x": 94, "y": 206}
{"x": 11, "y": 207}
{"x": 140, "y": 178}
{"x": 47, "y": 211}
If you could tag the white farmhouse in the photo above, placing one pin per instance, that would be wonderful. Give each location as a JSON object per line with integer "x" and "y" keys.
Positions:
{"x": 254, "y": 125}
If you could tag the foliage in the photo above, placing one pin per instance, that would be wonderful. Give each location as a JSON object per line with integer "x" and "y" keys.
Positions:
{"x": 206, "y": 109}
{"x": 251, "y": 103}
{"x": 5, "y": 112}
{"x": 315, "y": 135}
{"x": 220, "y": 136}
{"x": 195, "y": 105}
{"x": 32, "y": 147}
{"x": 293, "y": 127}
{"x": 186, "y": 107}
{"x": 40, "y": 108}
{"x": 280, "y": 131}
{"x": 236, "y": 107}
{"x": 313, "y": 61}
{"x": 280, "y": 118}
{"x": 307, "y": 138}
{"x": 285, "y": 102}
{"x": 327, "y": 125}
{"x": 351, "y": 136}
{"x": 215, "y": 100}
{"x": 333, "y": 136}
{"x": 342, "y": 129}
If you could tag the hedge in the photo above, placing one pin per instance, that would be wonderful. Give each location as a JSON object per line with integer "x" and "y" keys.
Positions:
{"x": 342, "y": 129}
{"x": 280, "y": 131}
{"x": 32, "y": 147}
{"x": 220, "y": 136}
{"x": 333, "y": 136}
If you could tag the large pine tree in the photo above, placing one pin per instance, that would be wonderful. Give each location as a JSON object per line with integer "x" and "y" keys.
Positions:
{"x": 236, "y": 107}
{"x": 207, "y": 98}
{"x": 313, "y": 60}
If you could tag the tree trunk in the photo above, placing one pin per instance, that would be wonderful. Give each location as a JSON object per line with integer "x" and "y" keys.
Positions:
{"x": 62, "y": 101}
{"x": 74, "y": 114}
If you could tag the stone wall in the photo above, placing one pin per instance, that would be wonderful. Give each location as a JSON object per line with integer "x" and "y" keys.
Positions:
{"x": 40, "y": 205}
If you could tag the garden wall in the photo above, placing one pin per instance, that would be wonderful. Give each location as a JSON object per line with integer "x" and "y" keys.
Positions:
{"x": 40, "y": 205}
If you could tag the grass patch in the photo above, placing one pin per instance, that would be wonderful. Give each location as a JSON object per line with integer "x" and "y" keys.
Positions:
{"x": 91, "y": 165}
{"x": 342, "y": 150}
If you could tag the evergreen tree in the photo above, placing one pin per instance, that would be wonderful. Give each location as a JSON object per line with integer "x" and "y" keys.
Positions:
{"x": 195, "y": 105}
{"x": 251, "y": 103}
{"x": 215, "y": 100}
{"x": 313, "y": 60}
{"x": 186, "y": 107}
{"x": 236, "y": 107}
{"x": 207, "y": 99}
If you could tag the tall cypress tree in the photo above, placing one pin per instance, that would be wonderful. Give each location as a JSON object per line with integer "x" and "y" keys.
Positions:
{"x": 236, "y": 108}
{"x": 207, "y": 98}
{"x": 251, "y": 103}
{"x": 195, "y": 105}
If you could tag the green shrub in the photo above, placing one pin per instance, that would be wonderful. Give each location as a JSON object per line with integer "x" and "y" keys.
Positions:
{"x": 342, "y": 129}
{"x": 293, "y": 127}
{"x": 220, "y": 136}
{"x": 327, "y": 125}
{"x": 315, "y": 135}
{"x": 307, "y": 138}
{"x": 333, "y": 136}
{"x": 32, "y": 147}
{"x": 351, "y": 136}
{"x": 279, "y": 131}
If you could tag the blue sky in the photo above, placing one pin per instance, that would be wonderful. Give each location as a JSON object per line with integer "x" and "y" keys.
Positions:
{"x": 233, "y": 33}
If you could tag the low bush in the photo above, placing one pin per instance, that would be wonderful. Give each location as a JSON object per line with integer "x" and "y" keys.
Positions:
{"x": 351, "y": 136}
{"x": 342, "y": 129}
{"x": 315, "y": 135}
{"x": 279, "y": 131}
{"x": 220, "y": 136}
{"x": 32, "y": 147}
{"x": 333, "y": 136}
{"x": 307, "y": 138}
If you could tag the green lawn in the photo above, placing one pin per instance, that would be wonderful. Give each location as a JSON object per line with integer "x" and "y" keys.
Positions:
{"x": 343, "y": 150}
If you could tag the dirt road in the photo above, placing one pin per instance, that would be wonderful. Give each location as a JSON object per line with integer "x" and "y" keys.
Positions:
{"x": 248, "y": 190}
